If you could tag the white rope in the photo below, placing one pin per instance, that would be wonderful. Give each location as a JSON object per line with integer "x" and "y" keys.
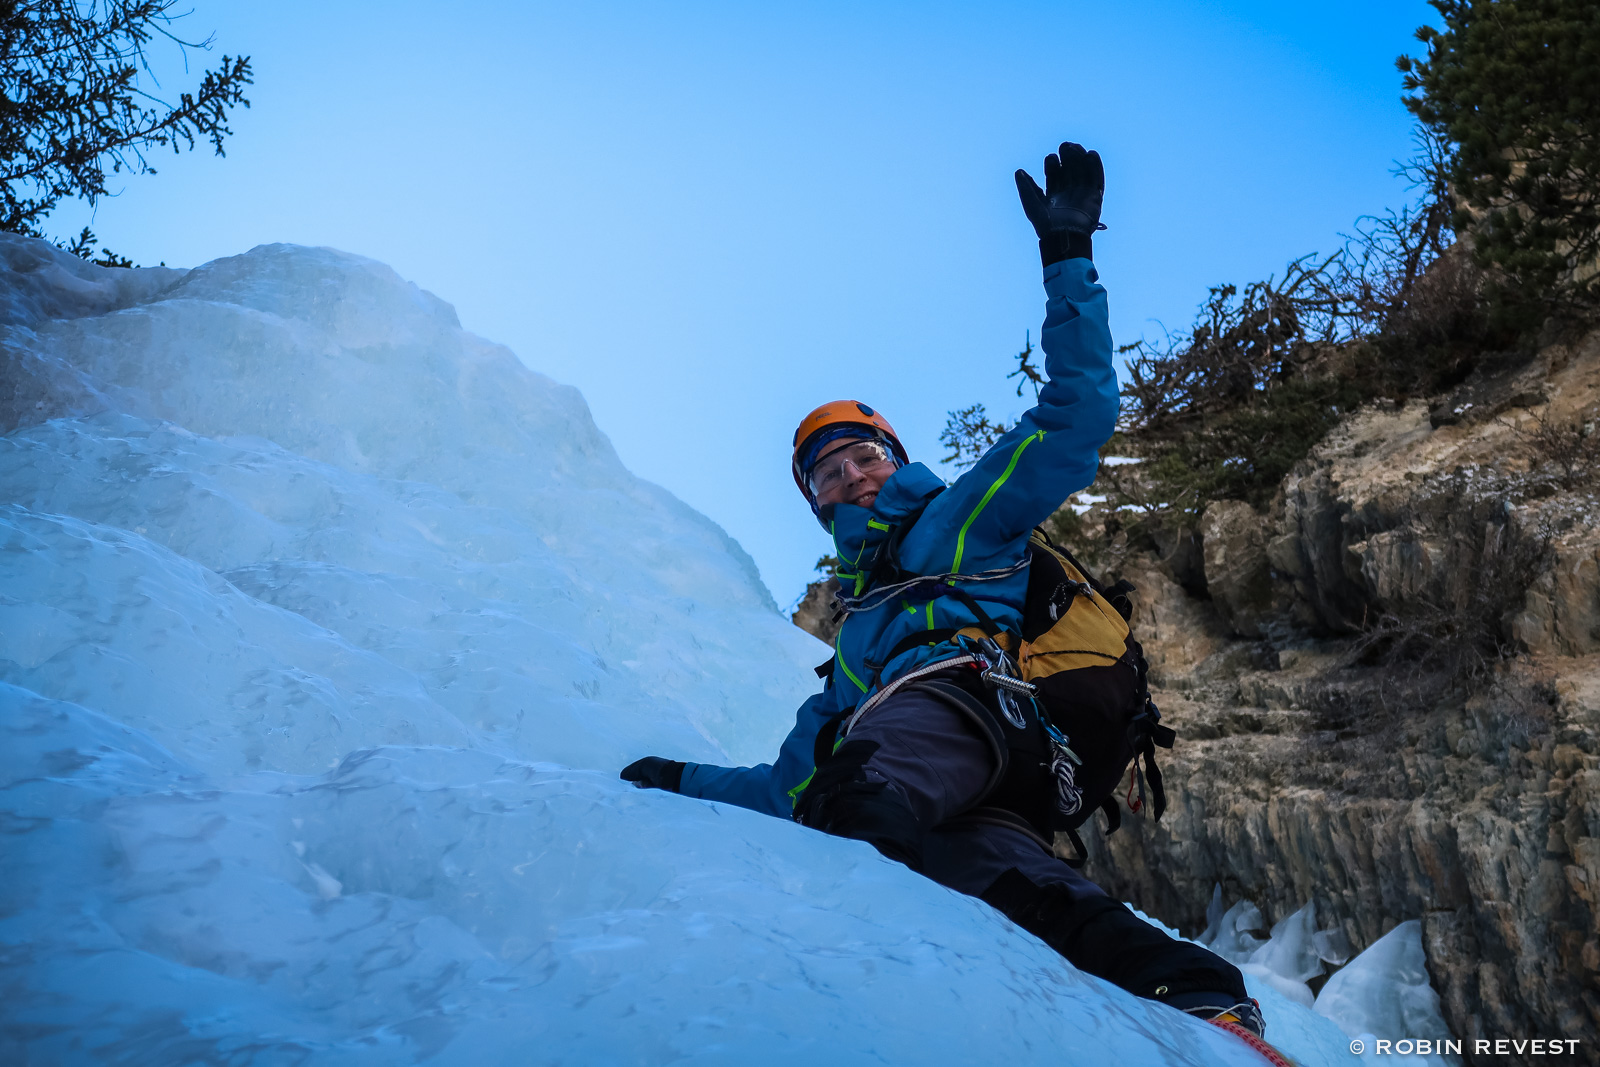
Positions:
{"x": 926, "y": 669}
{"x": 884, "y": 593}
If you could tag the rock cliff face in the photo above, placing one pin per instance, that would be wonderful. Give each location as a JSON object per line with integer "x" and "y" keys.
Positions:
{"x": 1387, "y": 696}
{"x": 814, "y": 614}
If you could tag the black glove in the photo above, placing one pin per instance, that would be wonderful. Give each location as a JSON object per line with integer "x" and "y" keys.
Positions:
{"x": 653, "y": 772}
{"x": 1067, "y": 212}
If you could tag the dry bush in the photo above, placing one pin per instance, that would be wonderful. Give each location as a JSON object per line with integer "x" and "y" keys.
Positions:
{"x": 1227, "y": 409}
{"x": 1571, "y": 446}
{"x": 1455, "y": 639}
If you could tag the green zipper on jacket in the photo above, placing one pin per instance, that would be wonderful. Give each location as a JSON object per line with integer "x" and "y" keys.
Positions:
{"x": 961, "y": 538}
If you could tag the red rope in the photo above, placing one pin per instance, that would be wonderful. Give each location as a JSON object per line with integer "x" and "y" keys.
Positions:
{"x": 1134, "y": 803}
{"x": 1270, "y": 1054}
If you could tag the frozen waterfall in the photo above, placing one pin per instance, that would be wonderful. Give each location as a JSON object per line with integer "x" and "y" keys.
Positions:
{"x": 324, "y": 627}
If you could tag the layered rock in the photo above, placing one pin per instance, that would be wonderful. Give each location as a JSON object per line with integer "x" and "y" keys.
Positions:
{"x": 816, "y": 612}
{"x": 1388, "y": 699}
{"x": 1234, "y": 558}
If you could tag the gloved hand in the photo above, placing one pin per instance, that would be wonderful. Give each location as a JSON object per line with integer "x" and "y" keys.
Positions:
{"x": 1067, "y": 212}
{"x": 653, "y": 772}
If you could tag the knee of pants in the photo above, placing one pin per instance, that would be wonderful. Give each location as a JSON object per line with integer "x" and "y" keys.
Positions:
{"x": 842, "y": 800}
{"x": 930, "y": 751}
{"x": 1098, "y": 935}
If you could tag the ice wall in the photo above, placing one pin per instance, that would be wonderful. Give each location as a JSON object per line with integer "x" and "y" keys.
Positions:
{"x": 324, "y": 627}
{"x": 1382, "y": 993}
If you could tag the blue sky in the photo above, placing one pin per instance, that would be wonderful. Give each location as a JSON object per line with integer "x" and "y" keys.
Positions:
{"x": 713, "y": 217}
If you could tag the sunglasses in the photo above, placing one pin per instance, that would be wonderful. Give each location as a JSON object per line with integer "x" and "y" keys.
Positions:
{"x": 828, "y": 472}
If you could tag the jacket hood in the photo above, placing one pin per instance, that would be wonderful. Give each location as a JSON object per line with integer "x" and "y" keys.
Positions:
{"x": 857, "y": 531}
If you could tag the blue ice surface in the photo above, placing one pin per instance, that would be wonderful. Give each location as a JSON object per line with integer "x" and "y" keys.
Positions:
{"x": 324, "y": 628}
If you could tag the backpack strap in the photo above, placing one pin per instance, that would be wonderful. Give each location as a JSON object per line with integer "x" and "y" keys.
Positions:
{"x": 1145, "y": 732}
{"x": 1117, "y": 596}
{"x": 1112, "y": 812}
{"x": 970, "y": 602}
{"x": 1082, "y": 856}
{"x": 1113, "y": 821}
{"x": 1152, "y": 773}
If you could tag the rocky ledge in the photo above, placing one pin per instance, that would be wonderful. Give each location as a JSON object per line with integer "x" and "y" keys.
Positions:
{"x": 1387, "y": 695}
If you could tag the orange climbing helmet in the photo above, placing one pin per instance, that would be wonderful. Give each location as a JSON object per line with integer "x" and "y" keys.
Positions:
{"x": 831, "y": 421}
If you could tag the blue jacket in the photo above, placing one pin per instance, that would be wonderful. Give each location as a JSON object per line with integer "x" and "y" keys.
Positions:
{"x": 980, "y": 523}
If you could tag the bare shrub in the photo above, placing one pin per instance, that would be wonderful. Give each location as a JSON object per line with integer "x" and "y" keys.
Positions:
{"x": 1227, "y": 409}
{"x": 1571, "y": 446}
{"x": 1458, "y": 637}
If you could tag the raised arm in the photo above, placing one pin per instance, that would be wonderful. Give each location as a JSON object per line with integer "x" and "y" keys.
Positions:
{"x": 1054, "y": 450}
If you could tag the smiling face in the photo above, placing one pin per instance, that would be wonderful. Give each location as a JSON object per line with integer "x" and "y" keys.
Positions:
{"x": 851, "y": 471}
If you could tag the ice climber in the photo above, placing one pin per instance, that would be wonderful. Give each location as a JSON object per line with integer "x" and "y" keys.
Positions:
{"x": 921, "y": 772}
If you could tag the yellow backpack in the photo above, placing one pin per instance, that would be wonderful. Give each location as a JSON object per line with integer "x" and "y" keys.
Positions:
{"x": 1092, "y": 687}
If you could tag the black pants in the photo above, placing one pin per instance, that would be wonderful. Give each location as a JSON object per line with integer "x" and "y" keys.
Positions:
{"x": 906, "y": 780}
